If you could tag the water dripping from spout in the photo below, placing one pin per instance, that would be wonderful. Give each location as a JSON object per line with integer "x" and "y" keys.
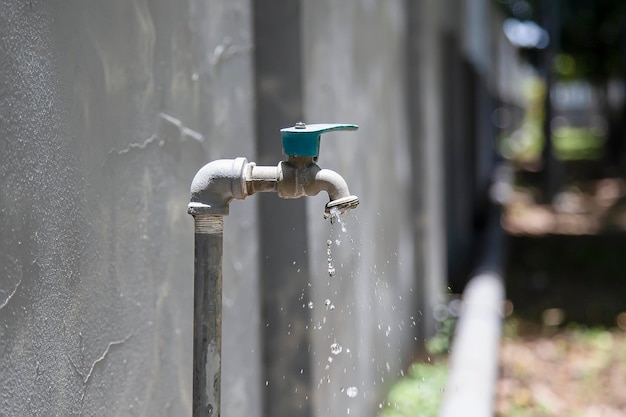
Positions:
{"x": 335, "y": 217}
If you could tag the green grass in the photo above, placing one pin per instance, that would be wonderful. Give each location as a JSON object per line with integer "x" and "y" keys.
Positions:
{"x": 570, "y": 144}
{"x": 419, "y": 393}
{"x": 577, "y": 143}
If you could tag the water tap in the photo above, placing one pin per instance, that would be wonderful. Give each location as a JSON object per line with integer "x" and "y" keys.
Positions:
{"x": 221, "y": 181}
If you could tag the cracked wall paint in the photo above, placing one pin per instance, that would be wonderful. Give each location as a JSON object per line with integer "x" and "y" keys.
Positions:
{"x": 107, "y": 110}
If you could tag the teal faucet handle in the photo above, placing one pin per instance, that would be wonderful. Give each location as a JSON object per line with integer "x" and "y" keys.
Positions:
{"x": 304, "y": 140}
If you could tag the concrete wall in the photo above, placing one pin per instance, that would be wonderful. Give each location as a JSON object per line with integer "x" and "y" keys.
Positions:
{"x": 354, "y": 64}
{"x": 107, "y": 110}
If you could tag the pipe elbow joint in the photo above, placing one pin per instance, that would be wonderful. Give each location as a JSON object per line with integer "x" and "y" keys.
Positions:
{"x": 216, "y": 184}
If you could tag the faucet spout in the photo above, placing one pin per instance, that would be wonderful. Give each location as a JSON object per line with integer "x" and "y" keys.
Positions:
{"x": 300, "y": 177}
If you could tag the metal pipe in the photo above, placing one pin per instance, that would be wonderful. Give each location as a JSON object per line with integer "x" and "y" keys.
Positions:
{"x": 260, "y": 179}
{"x": 214, "y": 186}
{"x": 207, "y": 315}
{"x": 470, "y": 388}
{"x": 471, "y": 384}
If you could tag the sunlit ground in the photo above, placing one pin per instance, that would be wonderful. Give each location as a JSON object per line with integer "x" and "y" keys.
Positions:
{"x": 581, "y": 208}
{"x": 563, "y": 351}
{"x": 576, "y": 371}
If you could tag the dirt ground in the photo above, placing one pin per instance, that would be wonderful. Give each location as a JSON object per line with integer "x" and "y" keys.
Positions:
{"x": 575, "y": 372}
{"x": 564, "y": 350}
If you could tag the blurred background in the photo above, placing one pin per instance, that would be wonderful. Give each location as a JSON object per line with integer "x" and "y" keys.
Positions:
{"x": 469, "y": 111}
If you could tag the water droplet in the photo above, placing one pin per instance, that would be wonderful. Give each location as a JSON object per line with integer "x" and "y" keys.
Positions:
{"x": 335, "y": 348}
{"x": 327, "y": 302}
{"x": 352, "y": 392}
{"x": 310, "y": 304}
{"x": 331, "y": 268}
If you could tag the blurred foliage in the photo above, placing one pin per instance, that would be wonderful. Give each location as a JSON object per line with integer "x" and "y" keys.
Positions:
{"x": 525, "y": 144}
{"x": 577, "y": 143}
{"x": 442, "y": 342}
{"x": 419, "y": 393}
{"x": 591, "y": 35}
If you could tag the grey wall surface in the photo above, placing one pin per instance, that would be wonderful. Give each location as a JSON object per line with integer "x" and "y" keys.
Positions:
{"x": 107, "y": 110}
{"x": 354, "y": 65}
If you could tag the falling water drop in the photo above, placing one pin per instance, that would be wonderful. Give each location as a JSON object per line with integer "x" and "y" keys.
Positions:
{"x": 336, "y": 348}
{"x": 331, "y": 268}
{"x": 352, "y": 392}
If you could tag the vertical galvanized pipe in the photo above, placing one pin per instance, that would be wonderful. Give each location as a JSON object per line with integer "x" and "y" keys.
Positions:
{"x": 207, "y": 315}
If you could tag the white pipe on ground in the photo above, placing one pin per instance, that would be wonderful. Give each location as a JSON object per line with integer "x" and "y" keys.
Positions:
{"x": 470, "y": 388}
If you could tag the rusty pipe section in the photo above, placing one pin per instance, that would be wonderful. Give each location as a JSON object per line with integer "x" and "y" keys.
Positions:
{"x": 207, "y": 315}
